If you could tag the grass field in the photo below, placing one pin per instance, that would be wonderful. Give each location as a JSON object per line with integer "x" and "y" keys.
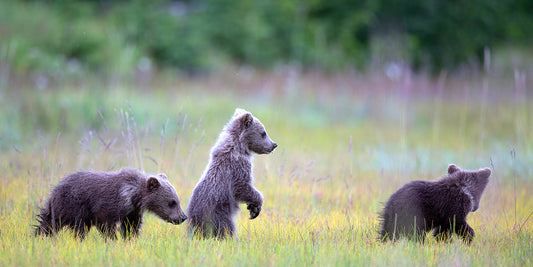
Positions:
{"x": 346, "y": 142}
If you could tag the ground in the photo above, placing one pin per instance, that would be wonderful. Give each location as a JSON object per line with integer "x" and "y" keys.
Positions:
{"x": 346, "y": 142}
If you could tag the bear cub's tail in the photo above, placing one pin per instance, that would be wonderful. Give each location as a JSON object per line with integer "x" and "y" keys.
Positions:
{"x": 44, "y": 220}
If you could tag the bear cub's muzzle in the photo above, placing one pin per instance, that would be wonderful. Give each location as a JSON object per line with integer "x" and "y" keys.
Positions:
{"x": 179, "y": 220}
{"x": 274, "y": 145}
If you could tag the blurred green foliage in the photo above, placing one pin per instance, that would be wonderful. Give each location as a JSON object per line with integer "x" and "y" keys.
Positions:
{"x": 195, "y": 36}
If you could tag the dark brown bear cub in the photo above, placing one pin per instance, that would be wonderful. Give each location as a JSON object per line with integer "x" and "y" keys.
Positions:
{"x": 441, "y": 206}
{"x": 103, "y": 199}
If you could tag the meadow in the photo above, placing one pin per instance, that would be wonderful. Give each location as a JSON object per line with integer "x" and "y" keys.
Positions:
{"x": 346, "y": 142}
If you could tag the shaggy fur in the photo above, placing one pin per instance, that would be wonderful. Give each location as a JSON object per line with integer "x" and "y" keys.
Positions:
{"x": 227, "y": 179}
{"x": 103, "y": 199}
{"x": 441, "y": 206}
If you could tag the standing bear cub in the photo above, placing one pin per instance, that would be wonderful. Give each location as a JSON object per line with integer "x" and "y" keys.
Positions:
{"x": 227, "y": 179}
{"x": 441, "y": 206}
{"x": 103, "y": 199}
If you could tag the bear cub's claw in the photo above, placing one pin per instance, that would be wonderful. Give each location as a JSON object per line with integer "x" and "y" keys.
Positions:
{"x": 254, "y": 211}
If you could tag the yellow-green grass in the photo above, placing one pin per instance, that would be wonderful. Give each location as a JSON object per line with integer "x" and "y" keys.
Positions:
{"x": 342, "y": 152}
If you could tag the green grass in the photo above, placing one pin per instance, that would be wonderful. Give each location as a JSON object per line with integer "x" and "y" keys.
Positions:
{"x": 345, "y": 144}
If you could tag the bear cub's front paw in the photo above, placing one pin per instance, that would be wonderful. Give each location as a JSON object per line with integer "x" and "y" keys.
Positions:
{"x": 254, "y": 210}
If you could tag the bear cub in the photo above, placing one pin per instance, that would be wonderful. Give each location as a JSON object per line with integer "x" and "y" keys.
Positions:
{"x": 441, "y": 206}
{"x": 227, "y": 179}
{"x": 103, "y": 199}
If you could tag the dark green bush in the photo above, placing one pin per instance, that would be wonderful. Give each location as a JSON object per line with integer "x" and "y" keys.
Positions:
{"x": 111, "y": 36}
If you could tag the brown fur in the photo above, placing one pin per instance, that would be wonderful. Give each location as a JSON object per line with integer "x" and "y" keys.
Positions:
{"x": 441, "y": 205}
{"x": 103, "y": 199}
{"x": 227, "y": 179}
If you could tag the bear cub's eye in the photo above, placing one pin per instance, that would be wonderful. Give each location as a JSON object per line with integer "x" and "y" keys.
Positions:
{"x": 172, "y": 203}
{"x": 263, "y": 134}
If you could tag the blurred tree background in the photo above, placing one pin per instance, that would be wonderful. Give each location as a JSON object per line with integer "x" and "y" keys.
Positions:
{"x": 64, "y": 37}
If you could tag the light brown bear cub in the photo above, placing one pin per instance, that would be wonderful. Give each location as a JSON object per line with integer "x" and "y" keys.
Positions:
{"x": 227, "y": 179}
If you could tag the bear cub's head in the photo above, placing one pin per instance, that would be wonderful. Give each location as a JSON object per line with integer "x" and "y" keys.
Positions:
{"x": 163, "y": 200}
{"x": 252, "y": 133}
{"x": 472, "y": 182}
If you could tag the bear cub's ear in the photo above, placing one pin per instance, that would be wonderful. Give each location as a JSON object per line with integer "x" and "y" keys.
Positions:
{"x": 244, "y": 117}
{"x": 153, "y": 184}
{"x": 453, "y": 168}
{"x": 239, "y": 112}
{"x": 247, "y": 120}
{"x": 485, "y": 173}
